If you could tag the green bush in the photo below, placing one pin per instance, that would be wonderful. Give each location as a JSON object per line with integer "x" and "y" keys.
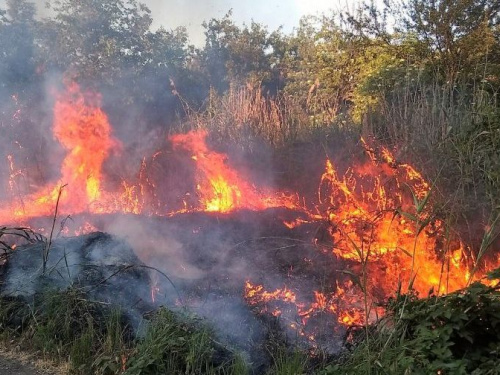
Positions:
{"x": 453, "y": 334}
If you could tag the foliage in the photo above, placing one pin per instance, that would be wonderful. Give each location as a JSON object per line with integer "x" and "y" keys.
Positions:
{"x": 94, "y": 39}
{"x": 460, "y": 33}
{"x": 236, "y": 55}
{"x": 173, "y": 346}
{"x": 456, "y": 334}
{"x": 322, "y": 69}
{"x": 288, "y": 363}
{"x": 17, "y": 58}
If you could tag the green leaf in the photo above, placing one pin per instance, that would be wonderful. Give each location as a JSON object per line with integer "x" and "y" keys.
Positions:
{"x": 493, "y": 275}
{"x": 408, "y": 215}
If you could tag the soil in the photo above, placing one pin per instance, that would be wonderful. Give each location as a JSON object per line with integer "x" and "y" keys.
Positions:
{"x": 12, "y": 363}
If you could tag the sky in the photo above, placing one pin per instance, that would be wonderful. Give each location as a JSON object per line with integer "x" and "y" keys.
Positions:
{"x": 273, "y": 13}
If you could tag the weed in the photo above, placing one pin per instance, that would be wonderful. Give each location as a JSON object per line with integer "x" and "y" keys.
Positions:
{"x": 178, "y": 346}
{"x": 288, "y": 363}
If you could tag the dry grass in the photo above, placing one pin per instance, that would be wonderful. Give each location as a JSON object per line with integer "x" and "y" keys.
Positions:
{"x": 244, "y": 113}
{"x": 12, "y": 351}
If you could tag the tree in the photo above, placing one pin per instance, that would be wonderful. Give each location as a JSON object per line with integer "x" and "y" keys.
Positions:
{"x": 461, "y": 33}
{"x": 239, "y": 55}
{"x": 325, "y": 63}
{"x": 97, "y": 39}
{"x": 17, "y": 61}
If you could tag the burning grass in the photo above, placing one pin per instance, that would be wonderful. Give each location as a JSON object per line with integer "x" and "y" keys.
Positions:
{"x": 317, "y": 261}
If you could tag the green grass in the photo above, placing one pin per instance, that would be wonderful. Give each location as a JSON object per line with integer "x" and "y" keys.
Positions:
{"x": 174, "y": 345}
{"x": 94, "y": 338}
{"x": 288, "y": 362}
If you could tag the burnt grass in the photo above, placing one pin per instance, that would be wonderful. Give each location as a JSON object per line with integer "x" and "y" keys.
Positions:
{"x": 199, "y": 263}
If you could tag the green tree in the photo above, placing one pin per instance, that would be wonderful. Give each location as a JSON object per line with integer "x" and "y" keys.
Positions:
{"x": 461, "y": 34}
{"x": 97, "y": 39}
{"x": 237, "y": 55}
{"x": 324, "y": 67}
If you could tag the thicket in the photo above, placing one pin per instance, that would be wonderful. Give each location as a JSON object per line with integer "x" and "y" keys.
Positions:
{"x": 420, "y": 76}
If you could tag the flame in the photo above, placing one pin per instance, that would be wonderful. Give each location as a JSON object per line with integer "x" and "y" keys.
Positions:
{"x": 83, "y": 129}
{"x": 378, "y": 216}
{"x": 372, "y": 225}
{"x": 219, "y": 186}
{"x": 376, "y": 213}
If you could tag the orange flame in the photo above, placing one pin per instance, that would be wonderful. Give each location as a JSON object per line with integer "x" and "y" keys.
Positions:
{"x": 376, "y": 213}
{"x": 378, "y": 216}
{"x": 220, "y": 187}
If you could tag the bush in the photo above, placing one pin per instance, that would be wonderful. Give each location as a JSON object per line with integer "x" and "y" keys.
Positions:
{"x": 453, "y": 334}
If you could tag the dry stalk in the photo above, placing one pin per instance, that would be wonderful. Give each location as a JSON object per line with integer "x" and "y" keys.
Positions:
{"x": 46, "y": 250}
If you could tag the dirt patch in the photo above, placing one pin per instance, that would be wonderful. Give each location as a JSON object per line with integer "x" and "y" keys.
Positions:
{"x": 18, "y": 363}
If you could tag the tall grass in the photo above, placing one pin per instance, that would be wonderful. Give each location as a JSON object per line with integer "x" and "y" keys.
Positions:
{"x": 450, "y": 128}
{"x": 245, "y": 113}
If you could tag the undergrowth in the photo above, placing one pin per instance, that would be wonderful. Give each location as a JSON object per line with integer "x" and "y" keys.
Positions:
{"x": 94, "y": 338}
{"x": 178, "y": 346}
{"x": 452, "y": 334}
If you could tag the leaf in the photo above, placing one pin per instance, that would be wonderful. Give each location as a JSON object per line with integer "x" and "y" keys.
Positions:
{"x": 405, "y": 251}
{"x": 415, "y": 198}
{"x": 423, "y": 225}
{"x": 493, "y": 275}
{"x": 408, "y": 215}
{"x": 421, "y": 204}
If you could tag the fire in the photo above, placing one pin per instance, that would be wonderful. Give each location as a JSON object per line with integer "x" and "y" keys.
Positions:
{"x": 376, "y": 214}
{"x": 381, "y": 226}
{"x": 369, "y": 224}
{"x": 83, "y": 129}
{"x": 220, "y": 187}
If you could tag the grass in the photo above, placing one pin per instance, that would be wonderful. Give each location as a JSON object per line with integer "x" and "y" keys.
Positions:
{"x": 95, "y": 339}
{"x": 178, "y": 346}
{"x": 455, "y": 333}
{"x": 288, "y": 362}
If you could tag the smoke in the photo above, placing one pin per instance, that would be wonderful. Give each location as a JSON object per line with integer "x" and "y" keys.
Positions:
{"x": 203, "y": 260}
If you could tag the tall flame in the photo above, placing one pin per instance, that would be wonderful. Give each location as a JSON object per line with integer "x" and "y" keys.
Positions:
{"x": 220, "y": 187}
{"x": 83, "y": 129}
